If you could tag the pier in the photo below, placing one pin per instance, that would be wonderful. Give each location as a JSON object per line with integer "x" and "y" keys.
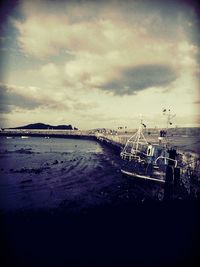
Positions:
{"x": 184, "y": 139}
{"x": 47, "y": 133}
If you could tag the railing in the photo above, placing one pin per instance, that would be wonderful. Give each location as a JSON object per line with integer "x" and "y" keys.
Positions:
{"x": 130, "y": 156}
{"x": 162, "y": 157}
{"x": 125, "y": 155}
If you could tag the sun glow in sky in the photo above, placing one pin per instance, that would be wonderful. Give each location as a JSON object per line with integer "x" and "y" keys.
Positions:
{"x": 99, "y": 63}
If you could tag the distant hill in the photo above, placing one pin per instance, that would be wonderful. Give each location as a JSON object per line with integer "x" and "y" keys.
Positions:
{"x": 43, "y": 126}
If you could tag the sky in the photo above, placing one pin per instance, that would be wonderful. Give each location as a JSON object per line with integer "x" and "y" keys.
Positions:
{"x": 99, "y": 64}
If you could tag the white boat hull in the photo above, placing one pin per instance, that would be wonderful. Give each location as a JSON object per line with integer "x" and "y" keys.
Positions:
{"x": 142, "y": 176}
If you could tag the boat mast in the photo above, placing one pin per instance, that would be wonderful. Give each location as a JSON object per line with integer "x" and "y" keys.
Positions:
{"x": 136, "y": 139}
{"x": 169, "y": 118}
{"x": 139, "y": 135}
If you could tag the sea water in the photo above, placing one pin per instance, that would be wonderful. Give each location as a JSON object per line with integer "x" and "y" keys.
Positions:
{"x": 41, "y": 173}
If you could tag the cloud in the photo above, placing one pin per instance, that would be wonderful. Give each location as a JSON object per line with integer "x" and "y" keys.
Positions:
{"x": 10, "y": 99}
{"x": 83, "y": 106}
{"x": 133, "y": 40}
{"x": 132, "y": 80}
{"x": 50, "y": 70}
{"x": 196, "y": 102}
{"x": 84, "y": 26}
{"x": 70, "y": 54}
{"x": 14, "y": 97}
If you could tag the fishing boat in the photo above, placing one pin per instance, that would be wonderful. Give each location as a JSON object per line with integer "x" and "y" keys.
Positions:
{"x": 148, "y": 160}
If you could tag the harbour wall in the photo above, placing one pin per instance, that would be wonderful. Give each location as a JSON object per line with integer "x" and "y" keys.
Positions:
{"x": 115, "y": 140}
{"x": 48, "y": 133}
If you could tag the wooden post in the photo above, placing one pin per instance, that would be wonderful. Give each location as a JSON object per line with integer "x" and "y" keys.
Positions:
{"x": 169, "y": 183}
{"x": 176, "y": 177}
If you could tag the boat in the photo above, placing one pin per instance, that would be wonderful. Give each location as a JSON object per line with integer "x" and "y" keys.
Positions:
{"x": 149, "y": 160}
{"x": 24, "y": 137}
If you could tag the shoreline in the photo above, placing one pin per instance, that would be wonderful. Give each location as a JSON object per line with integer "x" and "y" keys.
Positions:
{"x": 67, "y": 135}
{"x": 183, "y": 143}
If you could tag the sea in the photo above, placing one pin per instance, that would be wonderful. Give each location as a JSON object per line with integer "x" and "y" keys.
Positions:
{"x": 65, "y": 202}
{"x": 50, "y": 173}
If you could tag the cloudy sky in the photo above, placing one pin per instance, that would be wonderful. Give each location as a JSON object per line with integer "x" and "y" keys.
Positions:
{"x": 99, "y": 63}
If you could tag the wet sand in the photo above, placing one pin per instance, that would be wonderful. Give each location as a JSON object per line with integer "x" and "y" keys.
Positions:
{"x": 148, "y": 234}
{"x": 70, "y": 206}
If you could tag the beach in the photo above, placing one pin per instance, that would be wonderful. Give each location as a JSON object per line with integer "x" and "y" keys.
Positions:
{"x": 65, "y": 201}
